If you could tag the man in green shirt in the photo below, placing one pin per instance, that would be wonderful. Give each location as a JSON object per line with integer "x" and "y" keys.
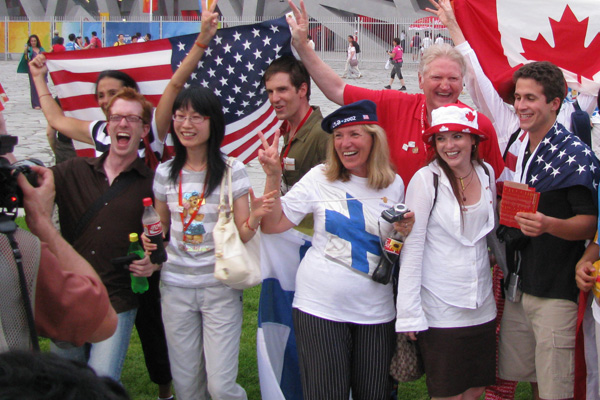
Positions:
{"x": 304, "y": 142}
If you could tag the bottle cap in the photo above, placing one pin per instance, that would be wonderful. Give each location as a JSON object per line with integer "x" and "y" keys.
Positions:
{"x": 147, "y": 201}
{"x": 133, "y": 237}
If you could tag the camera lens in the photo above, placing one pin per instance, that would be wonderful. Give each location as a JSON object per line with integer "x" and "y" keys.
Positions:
{"x": 400, "y": 208}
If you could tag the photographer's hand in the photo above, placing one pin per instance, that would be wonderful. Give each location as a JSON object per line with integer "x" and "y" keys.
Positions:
{"x": 38, "y": 202}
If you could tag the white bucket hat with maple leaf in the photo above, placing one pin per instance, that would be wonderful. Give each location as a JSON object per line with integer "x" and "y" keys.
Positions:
{"x": 454, "y": 118}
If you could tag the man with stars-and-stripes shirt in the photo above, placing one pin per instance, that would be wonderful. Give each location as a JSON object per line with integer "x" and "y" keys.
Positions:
{"x": 537, "y": 334}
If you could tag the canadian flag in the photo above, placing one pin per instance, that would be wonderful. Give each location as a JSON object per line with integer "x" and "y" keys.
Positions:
{"x": 150, "y": 3}
{"x": 508, "y": 33}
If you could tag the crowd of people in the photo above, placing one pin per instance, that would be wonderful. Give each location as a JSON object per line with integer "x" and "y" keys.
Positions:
{"x": 34, "y": 47}
{"x": 334, "y": 176}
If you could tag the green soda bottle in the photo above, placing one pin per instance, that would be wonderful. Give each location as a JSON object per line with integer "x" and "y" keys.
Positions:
{"x": 138, "y": 284}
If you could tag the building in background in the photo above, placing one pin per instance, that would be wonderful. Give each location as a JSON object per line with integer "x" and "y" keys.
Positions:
{"x": 92, "y": 9}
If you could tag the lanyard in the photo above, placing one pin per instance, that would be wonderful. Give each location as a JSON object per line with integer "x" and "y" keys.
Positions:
{"x": 202, "y": 201}
{"x": 291, "y": 137}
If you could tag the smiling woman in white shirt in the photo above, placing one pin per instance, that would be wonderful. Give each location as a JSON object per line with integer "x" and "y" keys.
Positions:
{"x": 343, "y": 319}
{"x": 445, "y": 298}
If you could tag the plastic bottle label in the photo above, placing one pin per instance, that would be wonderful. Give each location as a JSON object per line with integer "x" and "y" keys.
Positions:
{"x": 393, "y": 246}
{"x": 153, "y": 229}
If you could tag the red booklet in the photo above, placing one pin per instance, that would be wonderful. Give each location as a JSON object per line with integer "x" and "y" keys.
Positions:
{"x": 517, "y": 197}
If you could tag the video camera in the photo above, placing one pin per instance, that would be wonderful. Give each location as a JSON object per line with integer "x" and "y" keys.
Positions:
{"x": 11, "y": 195}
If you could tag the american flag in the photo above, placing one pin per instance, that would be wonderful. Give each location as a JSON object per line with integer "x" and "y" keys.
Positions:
{"x": 232, "y": 66}
{"x": 560, "y": 160}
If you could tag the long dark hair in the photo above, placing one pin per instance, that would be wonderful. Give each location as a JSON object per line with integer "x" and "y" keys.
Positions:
{"x": 127, "y": 80}
{"x": 434, "y": 155}
{"x": 204, "y": 102}
{"x": 39, "y": 44}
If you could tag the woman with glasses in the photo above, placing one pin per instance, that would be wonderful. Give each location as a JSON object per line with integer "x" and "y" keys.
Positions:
{"x": 202, "y": 316}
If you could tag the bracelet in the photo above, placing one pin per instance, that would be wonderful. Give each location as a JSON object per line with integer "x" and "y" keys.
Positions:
{"x": 249, "y": 227}
{"x": 201, "y": 45}
{"x": 45, "y": 94}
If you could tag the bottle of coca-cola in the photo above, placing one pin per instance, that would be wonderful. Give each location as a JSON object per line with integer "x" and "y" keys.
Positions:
{"x": 153, "y": 230}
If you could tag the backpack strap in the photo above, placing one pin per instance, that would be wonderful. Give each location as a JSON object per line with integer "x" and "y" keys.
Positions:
{"x": 581, "y": 125}
{"x": 113, "y": 191}
{"x": 512, "y": 139}
{"x": 436, "y": 181}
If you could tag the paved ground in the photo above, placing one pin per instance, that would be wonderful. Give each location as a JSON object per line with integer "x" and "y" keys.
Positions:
{"x": 29, "y": 124}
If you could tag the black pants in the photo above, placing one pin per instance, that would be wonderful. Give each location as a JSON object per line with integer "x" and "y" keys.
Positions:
{"x": 337, "y": 356}
{"x": 149, "y": 325}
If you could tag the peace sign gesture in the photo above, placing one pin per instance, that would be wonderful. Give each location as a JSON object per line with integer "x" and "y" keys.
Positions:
{"x": 268, "y": 156}
{"x": 443, "y": 10}
{"x": 298, "y": 22}
{"x": 209, "y": 21}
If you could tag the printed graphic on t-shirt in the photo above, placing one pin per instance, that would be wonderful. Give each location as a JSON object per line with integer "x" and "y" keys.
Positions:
{"x": 194, "y": 231}
{"x": 353, "y": 239}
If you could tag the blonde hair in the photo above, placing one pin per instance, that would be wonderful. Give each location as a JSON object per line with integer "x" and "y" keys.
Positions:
{"x": 443, "y": 50}
{"x": 380, "y": 172}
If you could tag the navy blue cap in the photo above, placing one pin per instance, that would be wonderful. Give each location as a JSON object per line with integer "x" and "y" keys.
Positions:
{"x": 361, "y": 112}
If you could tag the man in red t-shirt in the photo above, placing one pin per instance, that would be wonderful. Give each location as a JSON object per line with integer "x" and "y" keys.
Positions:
{"x": 59, "y": 45}
{"x": 95, "y": 42}
{"x": 403, "y": 116}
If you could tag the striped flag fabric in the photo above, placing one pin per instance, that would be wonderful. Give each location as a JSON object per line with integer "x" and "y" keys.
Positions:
{"x": 3, "y": 97}
{"x": 232, "y": 66}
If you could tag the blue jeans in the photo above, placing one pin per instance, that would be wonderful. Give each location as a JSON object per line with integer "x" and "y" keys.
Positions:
{"x": 106, "y": 357}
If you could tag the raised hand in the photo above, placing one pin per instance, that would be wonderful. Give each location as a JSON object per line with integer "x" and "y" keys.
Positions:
{"x": 298, "y": 23}
{"x": 443, "y": 10}
{"x": 37, "y": 66}
{"x": 268, "y": 156}
{"x": 209, "y": 21}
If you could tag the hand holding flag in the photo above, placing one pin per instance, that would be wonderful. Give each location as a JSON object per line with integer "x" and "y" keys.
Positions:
{"x": 232, "y": 66}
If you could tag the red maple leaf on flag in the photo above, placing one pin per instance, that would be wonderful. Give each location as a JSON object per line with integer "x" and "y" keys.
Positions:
{"x": 569, "y": 52}
{"x": 470, "y": 116}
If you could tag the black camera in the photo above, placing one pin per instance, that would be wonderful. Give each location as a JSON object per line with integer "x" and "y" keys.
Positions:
{"x": 395, "y": 214}
{"x": 11, "y": 195}
{"x": 124, "y": 261}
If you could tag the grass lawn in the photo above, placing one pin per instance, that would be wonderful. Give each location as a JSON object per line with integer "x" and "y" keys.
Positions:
{"x": 135, "y": 378}
{"x": 136, "y": 381}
